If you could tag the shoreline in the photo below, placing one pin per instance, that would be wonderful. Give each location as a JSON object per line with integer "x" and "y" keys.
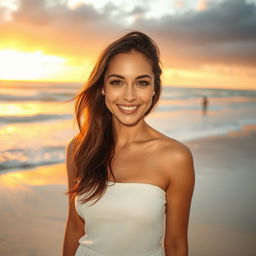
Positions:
{"x": 245, "y": 130}
{"x": 222, "y": 217}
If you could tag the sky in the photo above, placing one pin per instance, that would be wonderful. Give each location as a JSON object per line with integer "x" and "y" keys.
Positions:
{"x": 203, "y": 43}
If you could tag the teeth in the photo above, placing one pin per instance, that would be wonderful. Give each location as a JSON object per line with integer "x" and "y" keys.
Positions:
{"x": 128, "y": 108}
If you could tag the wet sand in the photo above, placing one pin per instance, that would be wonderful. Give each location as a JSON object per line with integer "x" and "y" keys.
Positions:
{"x": 33, "y": 211}
{"x": 222, "y": 219}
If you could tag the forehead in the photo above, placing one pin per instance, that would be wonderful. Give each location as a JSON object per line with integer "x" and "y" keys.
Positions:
{"x": 130, "y": 63}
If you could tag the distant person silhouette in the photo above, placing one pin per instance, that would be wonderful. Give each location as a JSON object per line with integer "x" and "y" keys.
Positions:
{"x": 204, "y": 104}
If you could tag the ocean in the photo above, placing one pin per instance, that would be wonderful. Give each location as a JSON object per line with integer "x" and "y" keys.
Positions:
{"x": 36, "y": 123}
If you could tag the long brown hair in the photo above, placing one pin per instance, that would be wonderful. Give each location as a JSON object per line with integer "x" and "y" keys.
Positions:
{"x": 94, "y": 146}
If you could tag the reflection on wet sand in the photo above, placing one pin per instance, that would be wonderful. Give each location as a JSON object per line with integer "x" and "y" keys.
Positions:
{"x": 43, "y": 175}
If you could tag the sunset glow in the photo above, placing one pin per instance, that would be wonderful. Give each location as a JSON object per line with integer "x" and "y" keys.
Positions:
{"x": 30, "y": 66}
{"x": 17, "y": 65}
{"x": 37, "y": 66}
{"x": 61, "y": 41}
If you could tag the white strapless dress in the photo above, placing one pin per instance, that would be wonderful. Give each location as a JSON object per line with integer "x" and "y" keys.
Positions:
{"x": 127, "y": 221}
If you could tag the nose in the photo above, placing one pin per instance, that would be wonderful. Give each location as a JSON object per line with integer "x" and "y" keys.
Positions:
{"x": 130, "y": 93}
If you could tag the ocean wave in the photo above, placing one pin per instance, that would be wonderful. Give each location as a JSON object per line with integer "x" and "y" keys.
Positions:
{"x": 34, "y": 118}
{"x": 11, "y": 165}
{"x": 37, "y": 97}
{"x": 20, "y": 158}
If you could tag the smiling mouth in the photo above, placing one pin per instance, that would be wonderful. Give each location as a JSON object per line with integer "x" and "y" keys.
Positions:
{"x": 128, "y": 109}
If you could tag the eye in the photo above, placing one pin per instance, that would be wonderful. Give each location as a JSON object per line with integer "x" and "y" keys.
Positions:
{"x": 115, "y": 82}
{"x": 143, "y": 83}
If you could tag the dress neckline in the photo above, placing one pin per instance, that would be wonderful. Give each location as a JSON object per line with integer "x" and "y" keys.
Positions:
{"x": 139, "y": 183}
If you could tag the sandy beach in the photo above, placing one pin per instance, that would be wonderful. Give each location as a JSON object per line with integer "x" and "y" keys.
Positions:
{"x": 222, "y": 221}
{"x": 223, "y": 209}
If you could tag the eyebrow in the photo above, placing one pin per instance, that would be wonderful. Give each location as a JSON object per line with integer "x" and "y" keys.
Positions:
{"x": 138, "y": 77}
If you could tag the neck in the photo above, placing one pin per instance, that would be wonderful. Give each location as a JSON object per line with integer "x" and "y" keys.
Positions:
{"x": 127, "y": 134}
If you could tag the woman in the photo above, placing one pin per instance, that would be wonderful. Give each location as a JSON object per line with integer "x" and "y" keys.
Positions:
{"x": 124, "y": 176}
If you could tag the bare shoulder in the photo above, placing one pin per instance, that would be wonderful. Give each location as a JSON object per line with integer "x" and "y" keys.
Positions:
{"x": 177, "y": 164}
{"x": 70, "y": 163}
{"x": 70, "y": 145}
{"x": 176, "y": 159}
{"x": 70, "y": 148}
{"x": 170, "y": 147}
{"x": 175, "y": 150}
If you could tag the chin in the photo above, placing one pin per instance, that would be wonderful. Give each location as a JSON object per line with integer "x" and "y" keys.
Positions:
{"x": 130, "y": 121}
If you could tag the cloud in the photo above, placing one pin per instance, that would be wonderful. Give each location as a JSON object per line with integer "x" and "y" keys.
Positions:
{"x": 201, "y": 5}
{"x": 223, "y": 33}
{"x": 58, "y": 29}
{"x": 33, "y": 12}
{"x": 4, "y": 14}
{"x": 138, "y": 11}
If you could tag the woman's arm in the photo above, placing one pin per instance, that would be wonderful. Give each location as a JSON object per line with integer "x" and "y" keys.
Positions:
{"x": 75, "y": 224}
{"x": 179, "y": 195}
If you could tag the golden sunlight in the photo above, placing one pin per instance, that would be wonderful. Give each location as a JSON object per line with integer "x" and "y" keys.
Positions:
{"x": 21, "y": 109}
{"x": 20, "y": 65}
{"x": 53, "y": 174}
{"x": 39, "y": 66}
{"x": 27, "y": 65}
{"x": 208, "y": 77}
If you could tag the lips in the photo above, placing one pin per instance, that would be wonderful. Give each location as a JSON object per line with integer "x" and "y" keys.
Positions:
{"x": 128, "y": 109}
{"x": 126, "y": 105}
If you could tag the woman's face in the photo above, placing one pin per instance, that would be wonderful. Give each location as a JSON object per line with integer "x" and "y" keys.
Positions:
{"x": 129, "y": 86}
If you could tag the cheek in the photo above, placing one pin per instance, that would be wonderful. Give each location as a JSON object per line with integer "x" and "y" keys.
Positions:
{"x": 145, "y": 95}
{"x": 111, "y": 93}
